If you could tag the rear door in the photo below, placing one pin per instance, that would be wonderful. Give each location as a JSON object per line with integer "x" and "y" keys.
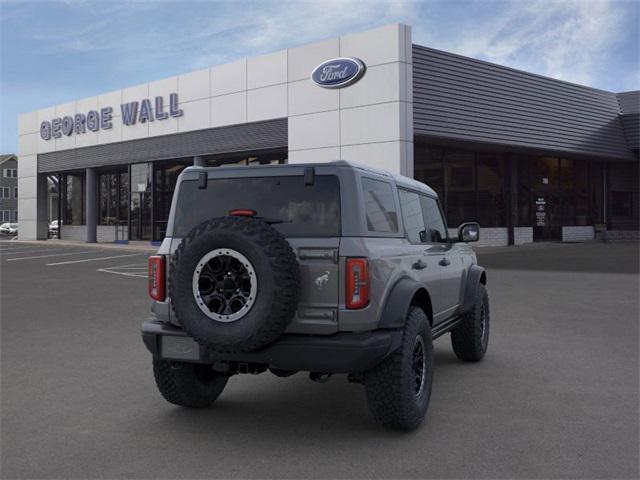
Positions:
{"x": 450, "y": 264}
{"x": 426, "y": 256}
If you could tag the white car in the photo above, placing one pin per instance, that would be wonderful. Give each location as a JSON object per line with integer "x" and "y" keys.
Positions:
{"x": 54, "y": 229}
{"x": 9, "y": 228}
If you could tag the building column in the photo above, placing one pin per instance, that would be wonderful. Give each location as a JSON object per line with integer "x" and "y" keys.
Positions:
{"x": 42, "y": 214}
{"x": 91, "y": 197}
{"x": 199, "y": 162}
{"x": 512, "y": 191}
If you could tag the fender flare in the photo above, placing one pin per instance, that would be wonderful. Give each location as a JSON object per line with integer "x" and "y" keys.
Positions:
{"x": 397, "y": 303}
{"x": 475, "y": 277}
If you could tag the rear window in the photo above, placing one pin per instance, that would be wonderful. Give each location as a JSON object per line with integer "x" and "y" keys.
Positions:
{"x": 380, "y": 207}
{"x": 304, "y": 210}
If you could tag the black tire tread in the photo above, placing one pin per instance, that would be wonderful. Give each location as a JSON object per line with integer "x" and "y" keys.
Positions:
{"x": 181, "y": 386}
{"x": 282, "y": 262}
{"x": 390, "y": 401}
{"x": 466, "y": 337}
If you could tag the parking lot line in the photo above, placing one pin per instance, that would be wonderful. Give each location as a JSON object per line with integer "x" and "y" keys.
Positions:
{"x": 92, "y": 259}
{"x": 20, "y": 249}
{"x": 52, "y": 255}
{"x": 39, "y": 250}
{"x": 134, "y": 270}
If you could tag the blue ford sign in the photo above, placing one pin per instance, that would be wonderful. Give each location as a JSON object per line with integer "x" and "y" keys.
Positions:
{"x": 338, "y": 72}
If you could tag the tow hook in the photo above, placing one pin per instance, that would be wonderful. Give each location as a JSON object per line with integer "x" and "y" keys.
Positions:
{"x": 320, "y": 377}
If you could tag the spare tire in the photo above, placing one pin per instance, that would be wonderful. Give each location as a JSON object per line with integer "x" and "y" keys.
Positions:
{"x": 234, "y": 284}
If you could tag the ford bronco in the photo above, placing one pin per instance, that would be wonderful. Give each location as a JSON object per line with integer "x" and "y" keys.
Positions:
{"x": 325, "y": 268}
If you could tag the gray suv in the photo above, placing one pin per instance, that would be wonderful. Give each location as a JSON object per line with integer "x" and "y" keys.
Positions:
{"x": 324, "y": 268}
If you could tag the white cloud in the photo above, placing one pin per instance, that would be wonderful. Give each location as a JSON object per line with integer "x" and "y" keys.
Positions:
{"x": 569, "y": 40}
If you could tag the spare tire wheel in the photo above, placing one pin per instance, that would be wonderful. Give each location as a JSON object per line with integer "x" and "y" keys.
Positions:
{"x": 234, "y": 284}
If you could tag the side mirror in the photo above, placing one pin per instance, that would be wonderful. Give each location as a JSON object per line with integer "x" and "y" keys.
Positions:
{"x": 469, "y": 232}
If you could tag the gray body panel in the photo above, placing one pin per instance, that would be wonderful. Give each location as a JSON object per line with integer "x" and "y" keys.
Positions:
{"x": 391, "y": 256}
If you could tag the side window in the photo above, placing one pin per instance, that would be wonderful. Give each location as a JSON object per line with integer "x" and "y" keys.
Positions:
{"x": 436, "y": 229}
{"x": 380, "y": 207}
{"x": 412, "y": 216}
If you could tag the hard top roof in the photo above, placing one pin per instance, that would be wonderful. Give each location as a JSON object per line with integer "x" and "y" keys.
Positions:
{"x": 400, "y": 180}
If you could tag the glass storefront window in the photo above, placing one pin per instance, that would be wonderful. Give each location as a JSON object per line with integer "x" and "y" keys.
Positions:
{"x": 523, "y": 176}
{"x": 460, "y": 187}
{"x": 428, "y": 167}
{"x": 73, "y": 199}
{"x": 112, "y": 194}
{"x": 491, "y": 198}
{"x": 166, "y": 176}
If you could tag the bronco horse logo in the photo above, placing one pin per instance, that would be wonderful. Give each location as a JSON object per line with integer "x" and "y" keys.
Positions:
{"x": 322, "y": 280}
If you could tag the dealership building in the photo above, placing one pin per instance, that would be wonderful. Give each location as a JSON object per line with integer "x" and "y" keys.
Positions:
{"x": 530, "y": 158}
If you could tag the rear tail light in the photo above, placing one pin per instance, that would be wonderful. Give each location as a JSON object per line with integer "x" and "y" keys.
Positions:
{"x": 242, "y": 212}
{"x": 357, "y": 283}
{"x": 157, "y": 277}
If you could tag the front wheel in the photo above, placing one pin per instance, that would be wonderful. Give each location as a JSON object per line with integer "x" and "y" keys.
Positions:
{"x": 188, "y": 384}
{"x": 470, "y": 338}
{"x": 399, "y": 389}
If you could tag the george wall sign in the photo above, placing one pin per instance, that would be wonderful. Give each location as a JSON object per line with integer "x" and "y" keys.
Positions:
{"x": 338, "y": 72}
{"x": 94, "y": 120}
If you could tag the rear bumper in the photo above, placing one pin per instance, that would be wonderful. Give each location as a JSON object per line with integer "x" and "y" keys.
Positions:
{"x": 339, "y": 353}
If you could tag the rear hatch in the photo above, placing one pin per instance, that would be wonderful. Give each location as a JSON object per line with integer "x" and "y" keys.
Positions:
{"x": 305, "y": 210}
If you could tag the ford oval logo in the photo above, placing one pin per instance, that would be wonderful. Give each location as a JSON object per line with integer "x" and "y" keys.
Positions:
{"x": 338, "y": 73}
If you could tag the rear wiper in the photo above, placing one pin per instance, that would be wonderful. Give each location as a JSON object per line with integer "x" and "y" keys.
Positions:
{"x": 272, "y": 221}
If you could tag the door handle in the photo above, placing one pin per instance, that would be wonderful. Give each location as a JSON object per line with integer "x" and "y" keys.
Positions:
{"x": 419, "y": 265}
{"x": 444, "y": 262}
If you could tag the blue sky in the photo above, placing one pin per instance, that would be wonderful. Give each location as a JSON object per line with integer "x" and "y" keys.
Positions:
{"x": 57, "y": 51}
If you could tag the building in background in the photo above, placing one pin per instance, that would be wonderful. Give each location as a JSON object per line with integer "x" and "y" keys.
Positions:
{"x": 529, "y": 157}
{"x": 9, "y": 188}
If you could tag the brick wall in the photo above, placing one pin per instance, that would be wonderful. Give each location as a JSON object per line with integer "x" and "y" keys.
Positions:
{"x": 489, "y": 237}
{"x": 577, "y": 234}
{"x": 522, "y": 235}
{"x": 613, "y": 236}
{"x": 74, "y": 232}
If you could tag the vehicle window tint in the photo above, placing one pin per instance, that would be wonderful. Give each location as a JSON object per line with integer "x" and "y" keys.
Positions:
{"x": 297, "y": 210}
{"x": 435, "y": 225}
{"x": 412, "y": 216}
{"x": 380, "y": 207}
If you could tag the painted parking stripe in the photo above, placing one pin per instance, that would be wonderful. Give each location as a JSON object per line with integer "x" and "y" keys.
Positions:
{"x": 38, "y": 250}
{"x": 52, "y": 255}
{"x": 92, "y": 259}
{"x": 129, "y": 270}
{"x": 20, "y": 249}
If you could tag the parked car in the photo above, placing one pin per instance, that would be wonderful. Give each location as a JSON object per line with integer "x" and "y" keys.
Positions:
{"x": 325, "y": 268}
{"x": 9, "y": 229}
{"x": 54, "y": 229}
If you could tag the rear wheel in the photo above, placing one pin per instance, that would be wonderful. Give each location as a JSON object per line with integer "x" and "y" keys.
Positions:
{"x": 399, "y": 389}
{"x": 470, "y": 338}
{"x": 188, "y": 384}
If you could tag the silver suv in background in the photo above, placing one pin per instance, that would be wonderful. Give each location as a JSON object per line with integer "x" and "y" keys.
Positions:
{"x": 325, "y": 268}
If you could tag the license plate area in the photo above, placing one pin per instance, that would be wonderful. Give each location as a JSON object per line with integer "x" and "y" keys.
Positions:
{"x": 179, "y": 348}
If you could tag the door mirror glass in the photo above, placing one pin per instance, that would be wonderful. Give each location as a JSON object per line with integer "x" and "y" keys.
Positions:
{"x": 469, "y": 232}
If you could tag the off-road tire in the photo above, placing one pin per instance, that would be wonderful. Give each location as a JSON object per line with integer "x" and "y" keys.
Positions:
{"x": 188, "y": 384}
{"x": 277, "y": 273}
{"x": 391, "y": 385}
{"x": 469, "y": 339}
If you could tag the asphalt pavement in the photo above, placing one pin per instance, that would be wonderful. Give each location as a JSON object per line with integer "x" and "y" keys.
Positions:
{"x": 555, "y": 397}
